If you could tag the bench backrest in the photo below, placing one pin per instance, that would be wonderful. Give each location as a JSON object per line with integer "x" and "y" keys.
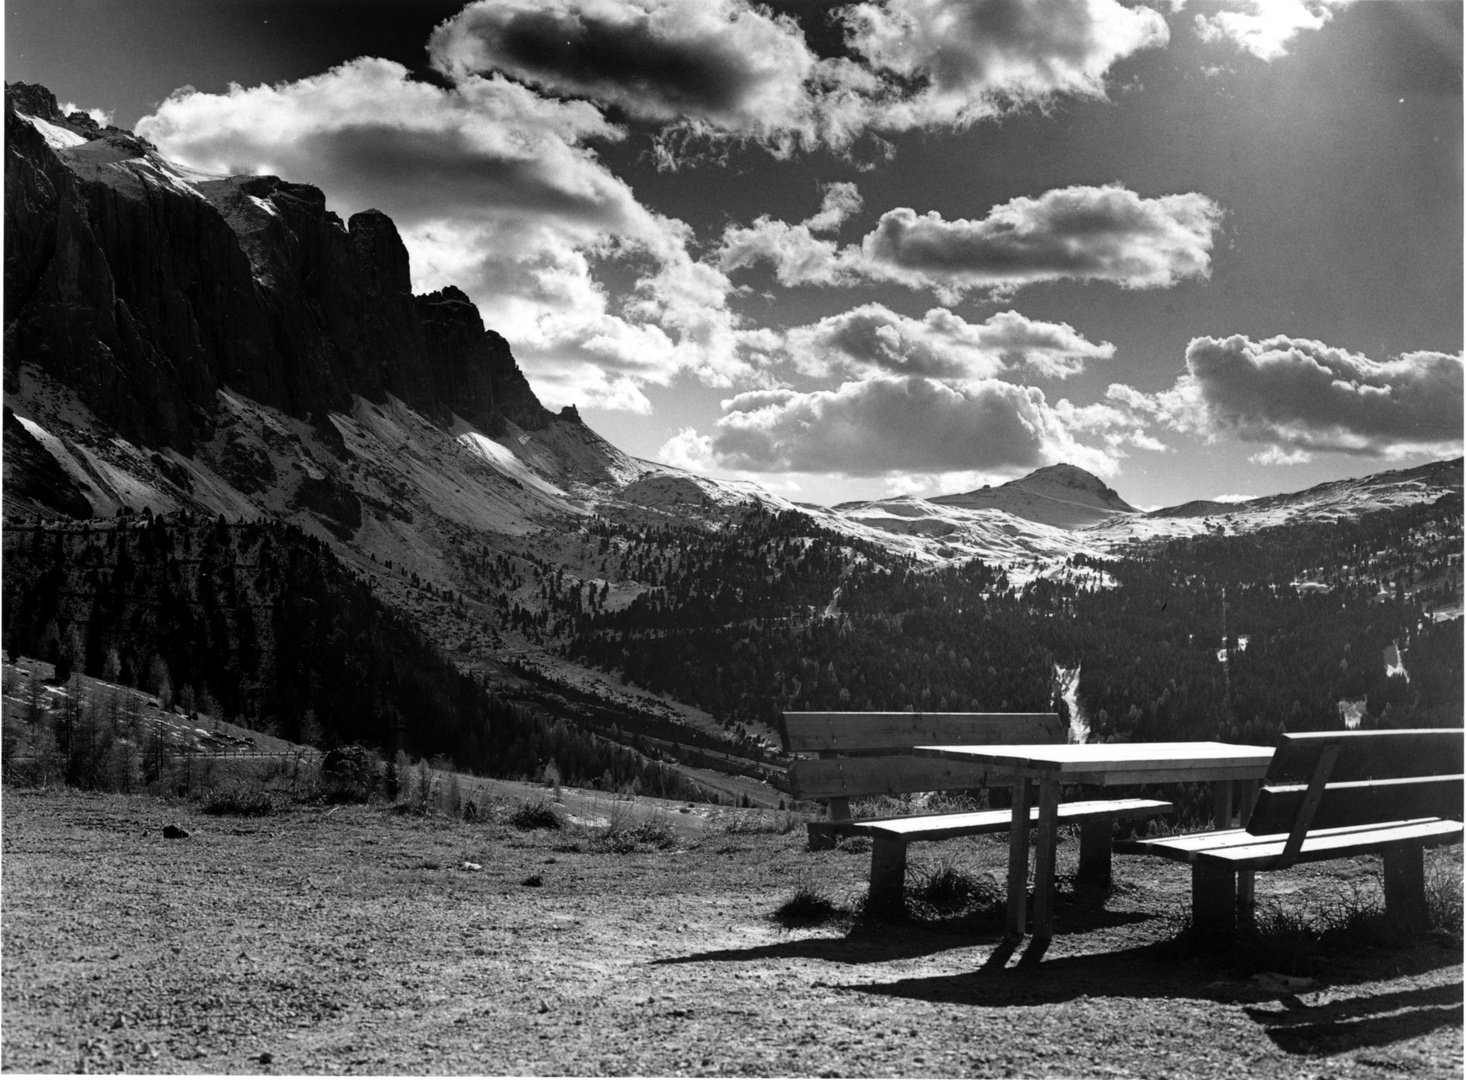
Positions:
{"x": 1332, "y": 779}
{"x": 850, "y": 746}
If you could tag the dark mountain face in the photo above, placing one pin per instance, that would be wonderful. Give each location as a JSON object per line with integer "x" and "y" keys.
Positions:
{"x": 147, "y": 289}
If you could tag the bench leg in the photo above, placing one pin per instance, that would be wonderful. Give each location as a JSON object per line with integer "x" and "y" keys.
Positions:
{"x": 1405, "y": 889}
{"x": 822, "y": 834}
{"x": 1213, "y": 898}
{"x": 1094, "y": 850}
{"x": 887, "y": 878}
{"x": 1018, "y": 858}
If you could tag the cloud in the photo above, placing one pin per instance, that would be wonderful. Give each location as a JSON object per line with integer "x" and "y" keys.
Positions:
{"x": 1105, "y": 233}
{"x": 940, "y": 345}
{"x": 1091, "y": 233}
{"x": 101, "y": 117}
{"x": 887, "y": 425}
{"x": 841, "y": 199}
{"x": 495, "y": 190}
{"x": 731, "y": 69}
{"x": 1303, "y": 396}
{"x": 798, "y": 256}
{"x": 1275, "y": 455}
{"x": 714, "y": 66}
{"x": 1265, "y": 27}
{"x": 957, "y": 61}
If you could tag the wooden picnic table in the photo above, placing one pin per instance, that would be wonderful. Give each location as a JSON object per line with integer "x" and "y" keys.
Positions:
{"x": 1105, "y": 764}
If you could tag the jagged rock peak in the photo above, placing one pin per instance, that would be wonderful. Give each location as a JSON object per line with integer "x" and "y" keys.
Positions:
{"x": 32, "y": 99}
{"x": 147, "y": 287}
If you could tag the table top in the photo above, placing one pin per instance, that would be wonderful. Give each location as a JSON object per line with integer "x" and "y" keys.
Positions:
{"x": 1117, "y": 763}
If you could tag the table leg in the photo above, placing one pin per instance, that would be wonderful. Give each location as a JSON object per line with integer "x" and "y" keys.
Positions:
{"x": 1043, "y": 870}
{"x": 1246, "y": 897}
{"x": 1018, "y": 858}
{"x": 1221, "y": 804}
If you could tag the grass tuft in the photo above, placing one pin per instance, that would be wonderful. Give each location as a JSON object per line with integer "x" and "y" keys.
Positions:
{"x": 945, "y": 890}
{"x": 809, "y": 906}
{"x": 536, "y": 814}
{"x": 751, "y": 822}
{"x": 1443, "y": 889}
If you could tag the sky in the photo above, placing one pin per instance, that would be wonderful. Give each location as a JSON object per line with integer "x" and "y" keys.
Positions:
{"x": 1201, "y": 248}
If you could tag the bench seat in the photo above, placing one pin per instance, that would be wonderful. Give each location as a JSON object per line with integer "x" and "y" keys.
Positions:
{"x": 947, "y": 826}
{"x": 890, "y": 837}
{"x": 1238, "y": 849}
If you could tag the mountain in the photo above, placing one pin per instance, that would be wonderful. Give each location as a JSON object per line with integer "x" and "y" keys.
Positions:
{"x": 223, "y": 353}
{"x": 1061, "y": 495}
{"x": 1337, "y": 498}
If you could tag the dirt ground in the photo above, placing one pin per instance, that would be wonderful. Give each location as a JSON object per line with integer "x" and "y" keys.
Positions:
{"x": 357, "y": 940}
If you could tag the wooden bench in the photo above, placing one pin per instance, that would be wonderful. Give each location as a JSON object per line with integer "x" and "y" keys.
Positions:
{"x": 1331, "y": 795}
{"x": 863, "y": 754}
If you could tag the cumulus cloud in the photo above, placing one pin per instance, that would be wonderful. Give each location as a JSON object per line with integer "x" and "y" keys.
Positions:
{"x": 495, "y": 190}
{"x": 724, "y": 66}
{"x": 1090, "y": 233}
{"x": 891, "y": 424}
{"x": 940, "y": 345}
{"x": 798, "y": 256}
{"x": 1107, "y": 233}
{"x": 1304, "y": 397}
{"x": 958, "y": 61}
{"x": 1266, "y": 27}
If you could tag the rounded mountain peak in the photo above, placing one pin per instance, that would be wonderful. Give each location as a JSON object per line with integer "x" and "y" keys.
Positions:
{"x": 1074, "y": 479}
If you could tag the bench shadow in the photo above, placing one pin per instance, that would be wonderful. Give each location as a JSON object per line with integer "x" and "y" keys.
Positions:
{"x": 1355, "y": 1023}
{"x": 1156, "y": 971}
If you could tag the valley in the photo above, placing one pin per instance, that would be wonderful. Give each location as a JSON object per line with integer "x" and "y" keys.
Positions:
{"x": 347, "y": 518}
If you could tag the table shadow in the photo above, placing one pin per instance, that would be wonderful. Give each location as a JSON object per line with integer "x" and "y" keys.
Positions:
{"x": 873, "y": 941}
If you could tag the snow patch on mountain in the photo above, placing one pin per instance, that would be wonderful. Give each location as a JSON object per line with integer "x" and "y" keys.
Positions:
{"x": 503, "y": 459}
{"x": 57, "y": 138}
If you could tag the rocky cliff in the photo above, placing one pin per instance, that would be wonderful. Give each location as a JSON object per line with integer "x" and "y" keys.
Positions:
{"x": 147, "y": 288}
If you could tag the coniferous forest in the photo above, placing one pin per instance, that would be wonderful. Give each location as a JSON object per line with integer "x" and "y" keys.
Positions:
{"x": 1209, "y": 637}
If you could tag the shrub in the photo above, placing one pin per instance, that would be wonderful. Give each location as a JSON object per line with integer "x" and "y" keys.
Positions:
{"x": 535, "y": 814}
{"x": 238, "y": 800}
{"x": 625, "y": 835}
{"x": 348, "y": 774}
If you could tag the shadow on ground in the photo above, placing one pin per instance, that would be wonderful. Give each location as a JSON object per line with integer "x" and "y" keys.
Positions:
{"x": 1166, "y": 970}
{"x": 1377, "y": 1020}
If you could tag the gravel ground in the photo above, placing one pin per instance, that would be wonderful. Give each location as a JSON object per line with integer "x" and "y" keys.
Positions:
{"x": 356, "y": 940}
